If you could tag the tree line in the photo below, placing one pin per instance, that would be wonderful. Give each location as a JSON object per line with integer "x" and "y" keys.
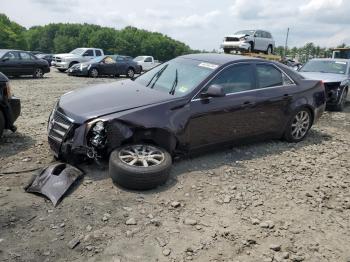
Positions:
{"x": 62, "y": 38}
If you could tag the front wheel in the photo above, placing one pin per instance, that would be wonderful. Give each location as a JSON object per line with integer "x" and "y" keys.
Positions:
{"x": 298, "y": 126}
{"x": 38, "y": 73}
{"x": 2, "y": 123}
{"x": 269, "y": 50}
{"x": 342, "y": 101}
{"x": 140, "y": 166}
{"x": 93, "y": 72}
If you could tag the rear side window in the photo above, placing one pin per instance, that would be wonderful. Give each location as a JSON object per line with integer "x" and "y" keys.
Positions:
{"x": 237, "y": 78}
{"x": 26, "y": 56}
{"x": 11, "y": 55}
{"x": 270, "y": 76}
{"x": 98, "y": 53}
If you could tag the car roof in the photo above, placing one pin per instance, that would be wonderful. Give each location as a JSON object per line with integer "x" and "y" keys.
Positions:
{"x": 219, "y": 59}
{"x": 331, "y": 59}
{"x": 7, "y": 50}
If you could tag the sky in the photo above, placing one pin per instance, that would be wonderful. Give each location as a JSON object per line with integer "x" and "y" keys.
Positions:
{"x": 202, "y": 24}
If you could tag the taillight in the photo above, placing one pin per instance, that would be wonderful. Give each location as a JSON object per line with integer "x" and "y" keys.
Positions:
{"x": 8, "y": 93}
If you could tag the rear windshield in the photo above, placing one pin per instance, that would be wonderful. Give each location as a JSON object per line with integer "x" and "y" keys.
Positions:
{"x": 324, "y": 66}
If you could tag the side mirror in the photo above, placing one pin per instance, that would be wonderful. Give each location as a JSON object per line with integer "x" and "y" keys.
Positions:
{"x": 214, "y": 91}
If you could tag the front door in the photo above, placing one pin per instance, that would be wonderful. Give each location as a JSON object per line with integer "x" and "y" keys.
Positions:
{"x": 10, "y": 63}
{"x": 28, "y": 63}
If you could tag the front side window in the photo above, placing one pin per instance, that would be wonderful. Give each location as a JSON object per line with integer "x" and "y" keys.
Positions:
{"x": 109, "y": 60}
{"x": 11, "y": 55}
{"x": 237, "y": 78}
{"x": 89, "y": 52}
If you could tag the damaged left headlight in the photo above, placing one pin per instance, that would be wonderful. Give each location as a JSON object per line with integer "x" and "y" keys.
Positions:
{"x": 97, "y": 134}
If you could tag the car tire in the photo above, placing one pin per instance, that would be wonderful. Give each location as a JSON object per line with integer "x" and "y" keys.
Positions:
{"x": 130, "y": 73}
{"x": 269, "y": 50}
{"x": 298, "y": 126}
{"x": 227, "y": 50}
{"x": 2, "y": 123}
{"x": 136, "y": 175}
{"x": 117, "y": 75}
{"x": 93, "y": 72}
{"x": 38, "y": 73}
{"x": 61, "y": 70}
{"x": 342, "y": 101}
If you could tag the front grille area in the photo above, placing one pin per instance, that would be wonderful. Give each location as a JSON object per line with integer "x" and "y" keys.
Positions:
{"x": 232, "y": 39}
{"x": 59, "y": 127}
{"x": 57, "y": 59}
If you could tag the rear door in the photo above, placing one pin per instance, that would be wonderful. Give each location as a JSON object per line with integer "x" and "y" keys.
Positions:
{"x": 28, "y": 63}
{"x": 10, "y": 63}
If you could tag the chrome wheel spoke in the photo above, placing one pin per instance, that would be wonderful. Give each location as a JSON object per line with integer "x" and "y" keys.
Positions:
{"x": 141, "y": 155}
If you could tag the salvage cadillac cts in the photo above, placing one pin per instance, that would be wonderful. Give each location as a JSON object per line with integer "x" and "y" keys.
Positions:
{"x": 188, "y": 103}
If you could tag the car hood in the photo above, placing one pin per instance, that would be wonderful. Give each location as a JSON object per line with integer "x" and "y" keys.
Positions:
{"x": 68, "y": 55}
{"x": 325, "y": 77}
{"x": 100, "y": 100}
{"x": 238, "y": 36}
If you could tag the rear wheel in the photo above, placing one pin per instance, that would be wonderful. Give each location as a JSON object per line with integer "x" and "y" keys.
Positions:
{"x": 130, "y": 73}
{"x": 93, "y": 72}
{"x": 140, "y": 166}
{"x": 227, "y": 50}
{"x": 269, "y": 50}
{"x": 38, "y": 73}
{"x": 342, "y": 101}
{"x": 2, "y": 123}
{"x": 298, "y": 126}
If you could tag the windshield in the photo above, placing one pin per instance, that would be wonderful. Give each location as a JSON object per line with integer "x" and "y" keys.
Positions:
{"x": 139, "y": 58}
{"x": 178, "y": 76}
{"x": 2, "y": 52}
{"x": 77, "y": 51}
{"x": 324, "y": 66}
{"x": 245, "y": 32}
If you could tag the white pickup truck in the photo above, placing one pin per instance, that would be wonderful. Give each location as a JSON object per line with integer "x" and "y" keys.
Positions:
{"x": 79, "y": 55}
{"x": 146, "y": 62}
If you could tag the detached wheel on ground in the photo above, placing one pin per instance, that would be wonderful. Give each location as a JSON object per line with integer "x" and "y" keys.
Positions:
{"x": 2, "y": 123}
{"x": 38, "y": 73}
{"x": 130, "y": 73}
{"x": 93, "y": 72}
{"x": 139, "y": 167}
{"x": 342, "y": 101}
{"x": 298, "y": 126}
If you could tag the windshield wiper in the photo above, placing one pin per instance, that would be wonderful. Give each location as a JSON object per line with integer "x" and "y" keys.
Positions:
{"x": 157, "y": 75}
{"x": 173, "y": 88}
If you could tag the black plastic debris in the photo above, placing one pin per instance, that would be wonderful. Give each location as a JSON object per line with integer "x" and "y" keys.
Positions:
{"x": 54, "y": 181}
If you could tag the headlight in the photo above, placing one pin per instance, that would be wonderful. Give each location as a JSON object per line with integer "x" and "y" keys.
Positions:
{"x": 97, "y": 134}
{"x": 344, "y": 83}
{"x": 8, "y": 92}
{"x": 243, "y": 38}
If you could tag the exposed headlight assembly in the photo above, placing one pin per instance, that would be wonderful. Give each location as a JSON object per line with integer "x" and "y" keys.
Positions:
{"x": 97, "y": 135}
{"x": 82, "y": 66}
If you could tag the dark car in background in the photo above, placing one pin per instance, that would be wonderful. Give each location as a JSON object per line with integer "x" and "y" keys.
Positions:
{"x": 106, "y": 65}
{"x": 335, "y": 74}
{"x": 10, "y": 106}
{"x": 18, "y": 63}
{"x": 188, "y": 103}
{"x": 47, "y": 57}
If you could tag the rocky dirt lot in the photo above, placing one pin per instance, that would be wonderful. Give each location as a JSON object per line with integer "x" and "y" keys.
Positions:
{"x": 270, "y": 201}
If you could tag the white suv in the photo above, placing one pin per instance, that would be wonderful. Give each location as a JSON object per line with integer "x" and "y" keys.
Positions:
{"x": 79, "y": 55}
{"x": 248, "y": 41}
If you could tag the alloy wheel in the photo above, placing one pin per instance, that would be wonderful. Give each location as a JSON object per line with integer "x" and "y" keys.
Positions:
{"x": 141, "y": 155}
{"x": 130, "y": 73}
{"x": 94, "y": 72}
{"x": 300, "y": 124}
{"x": 38, "y": 73}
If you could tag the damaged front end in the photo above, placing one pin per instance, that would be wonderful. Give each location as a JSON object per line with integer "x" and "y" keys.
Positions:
{"x": 92, "y": 140}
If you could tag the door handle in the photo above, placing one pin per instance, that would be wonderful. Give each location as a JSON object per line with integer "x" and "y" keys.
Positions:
{"x": 248, "y": 104}
{"x": 287, "y": 96}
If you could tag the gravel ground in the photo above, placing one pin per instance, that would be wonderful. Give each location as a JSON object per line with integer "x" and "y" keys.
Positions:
{"x": 270, "y": 201}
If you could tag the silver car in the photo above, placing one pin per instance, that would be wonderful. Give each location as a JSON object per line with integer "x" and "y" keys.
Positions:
{"x": 248, "y": 41}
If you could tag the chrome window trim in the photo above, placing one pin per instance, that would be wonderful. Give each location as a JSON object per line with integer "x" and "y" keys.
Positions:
{"x": 257, "y": 89}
